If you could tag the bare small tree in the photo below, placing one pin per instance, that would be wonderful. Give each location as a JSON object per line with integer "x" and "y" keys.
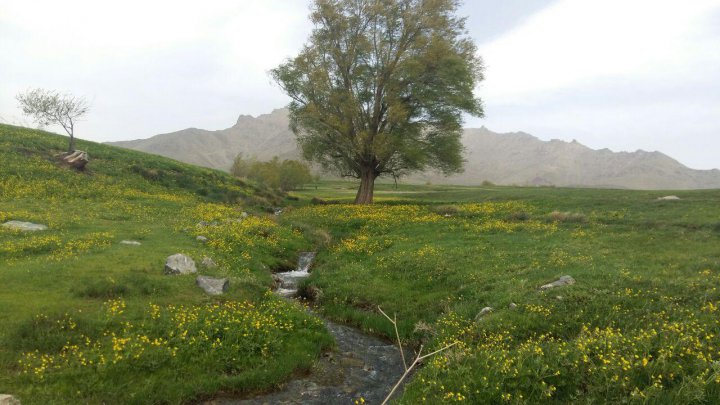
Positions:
{"x": 48, "y": 107}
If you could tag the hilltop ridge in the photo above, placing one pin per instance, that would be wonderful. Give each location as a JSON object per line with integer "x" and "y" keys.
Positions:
{"x": 515, "y": 158}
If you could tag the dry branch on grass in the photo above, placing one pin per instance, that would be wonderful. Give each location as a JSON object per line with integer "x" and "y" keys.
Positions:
{"x": 419, "y": 357}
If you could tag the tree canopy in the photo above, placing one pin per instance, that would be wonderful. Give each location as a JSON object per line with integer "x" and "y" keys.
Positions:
{"x": 50, "y": 107}
{"x": 380, "y": 88}
{"x": 286, "y": 175}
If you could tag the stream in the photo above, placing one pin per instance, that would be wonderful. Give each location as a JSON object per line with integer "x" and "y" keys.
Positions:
{"x": 362, "y": 366}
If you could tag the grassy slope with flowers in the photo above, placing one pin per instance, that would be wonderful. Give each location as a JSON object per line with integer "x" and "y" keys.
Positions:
{"x": 88, "y": 320}
{"x": 642, "y": 324}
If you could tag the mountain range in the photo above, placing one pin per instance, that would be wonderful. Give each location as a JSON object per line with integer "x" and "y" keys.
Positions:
{"x": 515, "y": 158}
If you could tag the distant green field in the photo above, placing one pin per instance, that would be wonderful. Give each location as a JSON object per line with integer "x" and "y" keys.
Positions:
{"x": 88, "y": 320}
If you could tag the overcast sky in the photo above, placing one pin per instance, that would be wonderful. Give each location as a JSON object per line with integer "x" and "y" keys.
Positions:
{"x": 621, "y": 74}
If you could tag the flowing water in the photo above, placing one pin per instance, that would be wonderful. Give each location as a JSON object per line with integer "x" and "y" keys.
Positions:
{"x": 288, "y": 281}
{"x": 362, "y": 366}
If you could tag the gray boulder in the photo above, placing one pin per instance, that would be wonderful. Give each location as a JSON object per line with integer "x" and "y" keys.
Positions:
{"x": 8, "y": 400}
{"x": 484, "y": 312}
{"x": 564, "y": 280}
{"x": 179, "y": 264}
{"x": 211, "y": 285}
{"x": 202, "y": 239}
{"x": 24, "y": 226}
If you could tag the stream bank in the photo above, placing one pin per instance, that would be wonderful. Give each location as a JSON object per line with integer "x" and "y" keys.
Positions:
{"x": 362, "y": 366}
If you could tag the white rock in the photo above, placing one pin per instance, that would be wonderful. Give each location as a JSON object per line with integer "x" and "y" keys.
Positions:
{"x": 564, "y": 280}
{"x": 512, "y": 305}
{"x": 202, "y": 239}
{"x": 24, "y": 226}
{"x": 484, "y": 312}
{"x": 130, "y": 242}
{"x": 179, "y": 264}
{"x": 669, "y": 198}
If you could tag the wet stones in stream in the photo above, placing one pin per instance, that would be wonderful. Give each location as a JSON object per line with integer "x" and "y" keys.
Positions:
{"x": 287, "y": 282}
{"x": 362, "y": 366}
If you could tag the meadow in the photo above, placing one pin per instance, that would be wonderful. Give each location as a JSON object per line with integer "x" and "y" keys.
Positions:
{"x": 640, "y": 325}
{"x": 89, "y": 320}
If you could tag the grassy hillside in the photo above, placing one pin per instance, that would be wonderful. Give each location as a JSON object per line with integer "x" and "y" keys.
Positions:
{"x": 640, "y": 325}
{"x": 87, "y": 319}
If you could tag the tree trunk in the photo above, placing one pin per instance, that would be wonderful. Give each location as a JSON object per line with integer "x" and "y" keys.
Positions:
{"x": 71, "y": 146}
{"x": 367, "y": 185}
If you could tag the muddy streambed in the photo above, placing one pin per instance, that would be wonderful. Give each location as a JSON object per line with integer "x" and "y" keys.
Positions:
{"x": 362, "y": 366}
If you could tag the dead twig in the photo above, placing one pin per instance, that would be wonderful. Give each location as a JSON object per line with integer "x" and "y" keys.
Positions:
{"x": 419, "y": 357}
{"x": 397, "y": 335}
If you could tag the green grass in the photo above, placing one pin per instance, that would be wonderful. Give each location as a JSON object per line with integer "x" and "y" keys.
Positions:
{"x": 641, "y": 324}
{"x": 62, "y": 341}
{"x": 87, "y": 320}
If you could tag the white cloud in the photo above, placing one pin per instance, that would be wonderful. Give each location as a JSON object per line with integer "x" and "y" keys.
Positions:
{"x": 574, "y": 41}
{"x": 150, "y": 66}
{"x": 622, "y": 74}
{"x": 640, "y": 74}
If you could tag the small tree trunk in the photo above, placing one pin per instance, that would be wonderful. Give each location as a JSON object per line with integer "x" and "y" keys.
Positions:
{"x": 71, "y": 146}
{"x": 367, "y": 185}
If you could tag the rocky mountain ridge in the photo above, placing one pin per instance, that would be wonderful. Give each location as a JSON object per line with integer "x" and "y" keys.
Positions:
{"x": 515, "y": 158}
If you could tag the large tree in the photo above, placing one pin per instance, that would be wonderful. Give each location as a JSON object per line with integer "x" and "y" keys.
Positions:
{"x": 48, "y": 107}
{"x": 380, "y": 88}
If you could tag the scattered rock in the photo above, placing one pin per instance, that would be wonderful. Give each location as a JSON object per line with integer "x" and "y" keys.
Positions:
{"x": 206, "y": 223}
{"x": 564, "y": 280}
{"x": 211, "y": 285}
{"x": 8, "y": 400}
{"x": 278, "y": 211}
{"x": 130, "y": 242}
{"x": 559, "y": 298}
{"x": 512, "y": 305}
{"x": 669, "y": 198}
{"x": 208, "y": 263}
{"x": 179, "y": 264}
{"x": 244, "y": 214}
{"x": 310, "y": 293}
{"x": 201, "y": 238}
{"x": 76, "y": 159}
{"x": 24, "y": 226}
{"x": 483, "y": 312}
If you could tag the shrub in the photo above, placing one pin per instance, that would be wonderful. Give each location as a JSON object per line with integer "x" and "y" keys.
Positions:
{"x": 286, "y": 175}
